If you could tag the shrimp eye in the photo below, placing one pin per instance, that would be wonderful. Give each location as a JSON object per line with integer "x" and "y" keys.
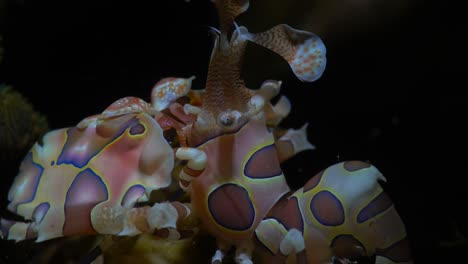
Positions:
{"x": 226, "y": 119}
{"x": 229, "y": 118}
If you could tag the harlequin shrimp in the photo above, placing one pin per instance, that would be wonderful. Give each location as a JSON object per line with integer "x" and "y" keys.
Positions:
{"x": 87, "y": 179}
{"x": 234, "y": 177}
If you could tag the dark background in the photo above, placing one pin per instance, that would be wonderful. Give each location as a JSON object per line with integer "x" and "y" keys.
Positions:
{"x": 391, "y": 93}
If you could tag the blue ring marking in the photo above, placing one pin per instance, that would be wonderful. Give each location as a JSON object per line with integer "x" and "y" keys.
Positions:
{"x": 252, "y": 158}
{"x": 250, "y": 208}
{"x": 69, "y": 157}
{"x": 333, "y": 198}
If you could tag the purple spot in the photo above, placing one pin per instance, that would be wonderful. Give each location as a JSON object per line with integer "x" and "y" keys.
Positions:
{"x": 5, "y": 225}
{"x": 40, "y": 211}
{"x": 30, "y": 233}
{"x": 73, "y": 152}
{"x": 52, "y": 163}
{"x": 231, "y": 207}
{"x": 377, "y": 206}
{"x": 85, "y": 192}
{"x": 38, "y": 214}
{"x": 29, "y": 177}
{"x": 327, "y": 209}
{"x": 137, "y": 129}
{"x": 263, "y": 164}
{"x": 132, "y": 194}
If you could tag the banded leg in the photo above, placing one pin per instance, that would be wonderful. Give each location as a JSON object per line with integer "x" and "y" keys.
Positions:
{"x": 195, "y": 166}
{"x": 243, "y": 255}
{"x": 220, "y": 253}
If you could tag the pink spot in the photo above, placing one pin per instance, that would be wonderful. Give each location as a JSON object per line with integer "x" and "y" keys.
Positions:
{"x": 86, "y": 191}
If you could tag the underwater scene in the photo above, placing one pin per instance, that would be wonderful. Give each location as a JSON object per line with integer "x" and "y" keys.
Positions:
{"x": 233, "y": 131}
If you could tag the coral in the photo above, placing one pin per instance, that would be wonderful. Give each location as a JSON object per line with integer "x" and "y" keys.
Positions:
{"x": 20, "y": 124}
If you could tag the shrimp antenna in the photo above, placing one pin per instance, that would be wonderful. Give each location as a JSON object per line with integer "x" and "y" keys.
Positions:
{"x": 237, "y": 27}
{"x": 214, "y": 30}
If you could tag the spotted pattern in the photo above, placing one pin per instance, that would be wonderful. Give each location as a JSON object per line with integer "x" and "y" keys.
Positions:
{"x": 355, "y": 165}
{"x": 313, "y": 182}
{"x": 304, "y": 51}
{"x": 398, "y": 252}
{"x": 80, "y": 148}
{"x": 26, "y": 183}
{"x": 327, "y": 209}
{"x": 375, "y": 207}
{"x": 263, "y": 164}
{"x": 168, "y": 90}
{"x": 86, "y": 191}
{"x": 231, "y": 207}
{"x": 126, "y": 105}
{"x": 132, "y": 194}
{"x": 309, "y": 61}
